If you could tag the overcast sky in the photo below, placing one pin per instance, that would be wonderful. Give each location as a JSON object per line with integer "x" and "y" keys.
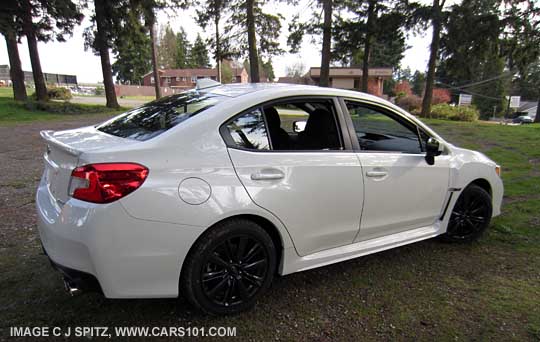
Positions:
{"x": 70, "y": 58}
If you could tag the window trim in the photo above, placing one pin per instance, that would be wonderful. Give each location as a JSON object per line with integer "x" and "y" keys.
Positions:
{"x": 385, "y": 110}
{"x": 343, "y": 132}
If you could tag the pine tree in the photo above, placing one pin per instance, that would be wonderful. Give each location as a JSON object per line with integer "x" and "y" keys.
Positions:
{"x": 199, "y": 54}
{"x": 167, "y": 48}
{"x": 44, "y": 20}
{"x": 183, "y": 48}
{"x": 262, "y": 30}
{"x": 132, "y": 49}
{"x": 211, "y": 13}
{"x": 10, "y": 27}
{"x": 99, "y": 36}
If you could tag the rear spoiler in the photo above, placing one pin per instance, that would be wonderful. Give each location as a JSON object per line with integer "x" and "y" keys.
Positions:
{"x": 50, "y": 139}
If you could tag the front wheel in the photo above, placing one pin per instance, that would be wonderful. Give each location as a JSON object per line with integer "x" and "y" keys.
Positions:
{"x": 229, "y": 268}
{"x": 471, "y": 215}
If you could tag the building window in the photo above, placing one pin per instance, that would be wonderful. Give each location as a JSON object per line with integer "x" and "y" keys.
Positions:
{"x": 194, "y": 79}
{"x": 177, "y": 78}
{"x": 152, "y": 80}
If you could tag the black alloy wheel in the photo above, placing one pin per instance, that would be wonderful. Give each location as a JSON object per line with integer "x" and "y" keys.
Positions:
{"x": 235, "y": 271}
{"x": 229, "y": 268}
{"x": 471, "y": 215}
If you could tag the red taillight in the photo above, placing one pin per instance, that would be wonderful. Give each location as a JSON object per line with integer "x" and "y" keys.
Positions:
{"x": 107, "y": 182}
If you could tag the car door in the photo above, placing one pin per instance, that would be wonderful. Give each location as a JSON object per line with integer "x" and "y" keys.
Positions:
{"x": 316, "y": 191}
{"x": 401, "y": 190}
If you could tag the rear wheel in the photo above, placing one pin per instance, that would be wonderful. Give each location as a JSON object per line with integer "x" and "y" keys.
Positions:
{"x": 229, "y": 268}
{"x": 471, "y": 215}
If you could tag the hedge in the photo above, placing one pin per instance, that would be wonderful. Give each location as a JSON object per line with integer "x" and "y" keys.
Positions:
{"x": 457, "y": 113}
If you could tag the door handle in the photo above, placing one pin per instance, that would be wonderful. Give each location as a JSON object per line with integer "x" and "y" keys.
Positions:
{"x": 378, "y": 174}
{"x": 267, "y": 174}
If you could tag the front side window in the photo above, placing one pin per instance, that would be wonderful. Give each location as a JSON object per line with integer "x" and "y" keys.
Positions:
{"x": 249, "y": 131}
{"x": 156, "y": 117}
{"x": 377, "y": 130}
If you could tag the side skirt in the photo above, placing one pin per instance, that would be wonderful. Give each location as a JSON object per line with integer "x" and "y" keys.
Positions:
{"x": 297, "y": 264}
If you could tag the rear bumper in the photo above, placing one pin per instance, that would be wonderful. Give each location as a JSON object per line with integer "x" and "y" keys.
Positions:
{"x": 127, "y": 257}
{"x": 74, "y": 279}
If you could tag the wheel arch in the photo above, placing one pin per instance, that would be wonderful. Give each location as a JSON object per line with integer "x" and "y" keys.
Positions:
{"x": 484, "y": 184}
{"x": 273, "y": 231}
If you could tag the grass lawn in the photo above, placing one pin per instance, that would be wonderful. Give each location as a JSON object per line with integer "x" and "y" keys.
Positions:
{"x": 12, "y": 112}
{"x": 487, "y": 290}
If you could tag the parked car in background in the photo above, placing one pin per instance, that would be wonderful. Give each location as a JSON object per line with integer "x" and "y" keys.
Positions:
{"x": 523, "y": 119}
{"x": 212, "y": 192}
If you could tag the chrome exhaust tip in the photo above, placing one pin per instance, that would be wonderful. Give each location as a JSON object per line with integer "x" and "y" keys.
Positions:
{"x": 71, "y": 288}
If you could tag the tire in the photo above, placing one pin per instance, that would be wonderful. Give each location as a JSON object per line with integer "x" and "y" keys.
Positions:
{"x": 229, "y": 267}
{"x": 470, "y": 216}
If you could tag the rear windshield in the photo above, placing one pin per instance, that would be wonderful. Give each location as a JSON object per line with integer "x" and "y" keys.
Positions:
{"x": 156, "y": 117}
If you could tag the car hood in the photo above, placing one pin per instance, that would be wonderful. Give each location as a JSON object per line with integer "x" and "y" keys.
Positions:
{"x": 467, "y": 155}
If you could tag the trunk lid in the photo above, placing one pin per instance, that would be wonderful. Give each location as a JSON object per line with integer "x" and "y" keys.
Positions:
{"x": 63, "y": 154}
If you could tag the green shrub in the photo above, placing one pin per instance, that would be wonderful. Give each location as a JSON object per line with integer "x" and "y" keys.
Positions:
{"x": 66, "y": 107}
{"x": 457, "y": 113}
{"x": 59, "y": 93}
{"x": 56, "y": 93}
{"x": 410, "y": 103}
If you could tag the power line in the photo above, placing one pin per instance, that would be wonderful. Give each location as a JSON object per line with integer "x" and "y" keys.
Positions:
{"x": 486, "y": 80}
{"x": 470, "y": 92}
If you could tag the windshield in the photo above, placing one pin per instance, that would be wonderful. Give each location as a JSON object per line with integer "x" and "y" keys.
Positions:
{"x": 158, "y": 116}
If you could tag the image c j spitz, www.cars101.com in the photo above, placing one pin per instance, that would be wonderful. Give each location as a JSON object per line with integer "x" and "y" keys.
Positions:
{"x": 211, "y": 193}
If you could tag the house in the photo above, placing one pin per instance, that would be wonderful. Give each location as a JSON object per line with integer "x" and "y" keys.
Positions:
{"x": 187, "y": 78}
{"x": 351, "y": 78}
{"x": 296, "y": 80}
{"x": 528, "y": 108}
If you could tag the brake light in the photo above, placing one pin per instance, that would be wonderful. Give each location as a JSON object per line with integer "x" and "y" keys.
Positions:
{"x": 106, "y": 182}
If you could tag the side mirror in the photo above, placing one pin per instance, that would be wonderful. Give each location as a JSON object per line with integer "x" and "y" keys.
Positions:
{"x": 433, "y": 149}
{"x": 299, "y": 126}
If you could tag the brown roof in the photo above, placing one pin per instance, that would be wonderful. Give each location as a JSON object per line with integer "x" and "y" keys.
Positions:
{"x": 193, "y": 72}
{"x": 296, "y": 80}
{"x": 352, "y": 71}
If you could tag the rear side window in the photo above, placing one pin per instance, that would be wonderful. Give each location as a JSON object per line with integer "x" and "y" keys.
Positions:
{"x": 156, "y": 117}
{"x": 249, "y": 131}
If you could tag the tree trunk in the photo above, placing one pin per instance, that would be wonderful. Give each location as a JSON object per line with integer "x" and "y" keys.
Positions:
{"x": 537, "y": 118}
{"x": 367, "y": 46}
{"x": 324, "y": 80}
{"x": 103, "y": 49}
{"x": 218, "y": 50}
{"x": 15, "y": 70}
{"x": 155, "y": 71}
{"x": 252, "y": 43}
{"x": 30, "y": 33}
{"x": 435, "y": 40}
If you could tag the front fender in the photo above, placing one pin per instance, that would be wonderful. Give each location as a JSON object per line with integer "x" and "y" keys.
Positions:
{"x": 467, "y": 166}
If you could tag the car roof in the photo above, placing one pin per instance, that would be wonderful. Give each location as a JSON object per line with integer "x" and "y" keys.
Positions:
{"x": 241, "y": 89}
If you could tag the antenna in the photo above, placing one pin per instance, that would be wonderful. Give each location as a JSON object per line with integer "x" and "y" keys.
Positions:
{"x": 205, "y": 83}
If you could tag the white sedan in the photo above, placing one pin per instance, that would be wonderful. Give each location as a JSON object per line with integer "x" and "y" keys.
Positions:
{"x": 212, "y": 192}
